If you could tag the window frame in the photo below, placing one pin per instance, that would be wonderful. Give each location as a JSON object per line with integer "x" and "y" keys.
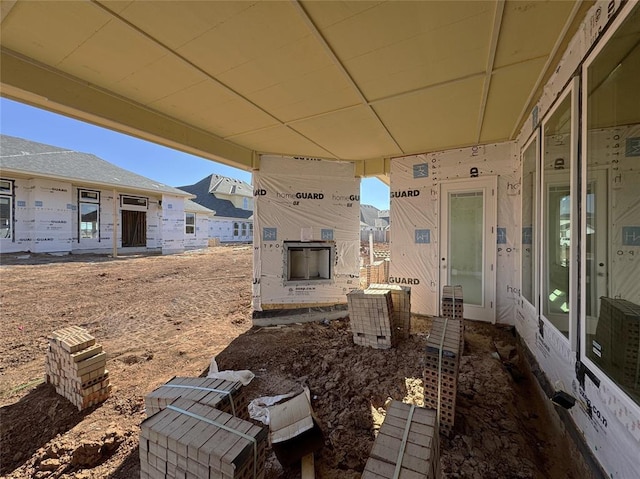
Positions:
{"x": 188, "y": 225}
{"x": 9, "y": 194}
{"x": 90, "y": 197}
{"x": 571, "y": 91}
{"x": 617, "y": 22}
{"x": 141, "y": 203}
{"x": 535, "y": 219}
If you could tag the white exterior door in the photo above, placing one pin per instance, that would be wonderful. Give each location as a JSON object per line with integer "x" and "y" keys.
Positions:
{"x": 468, "y": 243}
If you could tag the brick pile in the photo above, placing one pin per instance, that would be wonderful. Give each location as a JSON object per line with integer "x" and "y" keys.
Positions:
{"x": 191, "y": 440}
{"x": 442, "y": 363}
{"x": 75, "y": 366}
{"x": 401, "y": 300}
{"x": 378, "y": 272}
{"x": 370, "y": 314}
{"x": 453, "y": 305}
{"x": 407, "y": 445}
{"x": 227, "y": 396}
{"x": 618, "y": 340}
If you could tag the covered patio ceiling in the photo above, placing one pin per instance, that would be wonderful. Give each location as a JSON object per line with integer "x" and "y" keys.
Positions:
{"x": 347, "y": 80}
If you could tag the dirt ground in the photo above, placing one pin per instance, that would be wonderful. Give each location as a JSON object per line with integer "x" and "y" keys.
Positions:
{"x": 164, "y": 316}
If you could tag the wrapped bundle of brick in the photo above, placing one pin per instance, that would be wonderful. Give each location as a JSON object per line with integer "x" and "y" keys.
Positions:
{"x": 376, "y": 272}
{"x": 188, "y": 439}
{"x": 442, "y": 362}
{"x": 75, "y": 366}
{"x": 618, "y": 339}
{"x": 407, "y": 445}
{"x": 370, "y": 313}
{"x": 227, "y": 396}
{"x": 453, "y": 306}
{"x": 401, "y": 300}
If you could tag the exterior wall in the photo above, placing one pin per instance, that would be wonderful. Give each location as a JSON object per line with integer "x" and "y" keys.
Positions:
{"x": 173, "y": 237}
{"x": 200, "y": 239}
{"x": 417, "y": 259}
{"x": 237, "y": 200}
{"x": 46, "y": 220}
{"x": 304, "y": 200}
{"x": 223, "y": 229}
{"x": 607, "y": 418}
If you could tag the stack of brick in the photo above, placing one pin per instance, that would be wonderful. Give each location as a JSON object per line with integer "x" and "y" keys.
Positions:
{"x": 442, "y": 363}
{"x": 378, "y": 272}
{"x": 227, "y": 396}
{"x": 407, "y": 445}
{"x": 453, "y": 305}
{"x": 190, "y": 440}
{"x": 75, "y": 366}
{"x": 370, "y": 313}
{"x": 401, "y": 300}
{"x": 618, "y": 340}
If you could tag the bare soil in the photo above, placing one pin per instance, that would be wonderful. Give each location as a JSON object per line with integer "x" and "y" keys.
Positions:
{"x": 164, "y": 316}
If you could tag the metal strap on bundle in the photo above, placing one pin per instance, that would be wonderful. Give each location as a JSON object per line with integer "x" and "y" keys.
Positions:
{"x": 226, "y": 428}
{"x": 403, "y": 444}
{"x": 202, "y": 388}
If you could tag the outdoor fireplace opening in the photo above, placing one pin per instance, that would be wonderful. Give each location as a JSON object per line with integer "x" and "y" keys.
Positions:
{"x": 309, "y": 261}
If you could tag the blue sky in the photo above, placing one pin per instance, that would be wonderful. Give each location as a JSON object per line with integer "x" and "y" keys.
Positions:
{"x": 157, "y": 162}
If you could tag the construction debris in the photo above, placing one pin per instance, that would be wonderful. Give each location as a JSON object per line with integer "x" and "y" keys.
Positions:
{"x": 75, "y": 366}
{"x": 188, "y": 439}
{"x": 407, "y": 445}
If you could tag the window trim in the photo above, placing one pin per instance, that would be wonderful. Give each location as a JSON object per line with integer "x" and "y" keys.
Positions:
{"x": 620, "y": 393}
{"x": 142, "y": 206}
{"x": 89, "y": 201}
{"x": 10, "y": 194}
{"x": 188, "y": 214}
{"x": 535, "y": 227}
{"x": 570, "y": 90}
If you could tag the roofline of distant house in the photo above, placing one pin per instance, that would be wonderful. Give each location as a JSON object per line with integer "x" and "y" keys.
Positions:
{"x": 111, "y": 186}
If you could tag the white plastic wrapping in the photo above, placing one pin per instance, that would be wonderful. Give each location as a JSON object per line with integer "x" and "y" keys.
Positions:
{"x": 415, "y": 221}
{"x": 300, "y": 199}
{"x": 172, "y": 224}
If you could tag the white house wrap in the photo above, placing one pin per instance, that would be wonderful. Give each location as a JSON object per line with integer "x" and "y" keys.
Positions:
{"x": 303, "y": 203}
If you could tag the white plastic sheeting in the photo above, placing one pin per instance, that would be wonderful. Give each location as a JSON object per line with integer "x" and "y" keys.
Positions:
{"x": 303, "y": 199}
{"x": 415, "y": 221}
{"x": 172, "y": 224}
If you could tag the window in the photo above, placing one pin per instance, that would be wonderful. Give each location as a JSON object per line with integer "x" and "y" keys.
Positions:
{"x": 610, "y": 210}
{"x": 88, "y": 214}
{"x": 309, "y": 261}
{"x": 190, "y": 223}
{"x": 235, "y": 229}
{"x": 250, "y": 229}
{"x": 529, "y": 202}
{"x": 558, "y": 221}
{"x": 137, "y": 202}
{"x": 6, "y": 209}
{"x": 245, "y": 203}
{"x": 244, "y": 229}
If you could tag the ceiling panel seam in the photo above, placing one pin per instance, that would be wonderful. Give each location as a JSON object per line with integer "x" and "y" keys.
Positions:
{"x": 495, "y": 35}
{"x": 545, "y": 68}
{"x": 336, "y": 61}
{"x": 212, "y": 78}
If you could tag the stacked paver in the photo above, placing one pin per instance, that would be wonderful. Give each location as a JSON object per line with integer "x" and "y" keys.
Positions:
{"x": 407, "y": 445}
{"x": 378, "y": 272}
{"x": 191, "y": 440}
{"x": 370, "y": 316}
{"x": 75, "y": 366}
{"x": 227, "y": 396}
{"x": 401, "y": 300}
{"x": 442, "y": 363}
{"x": 618, "y": 336}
